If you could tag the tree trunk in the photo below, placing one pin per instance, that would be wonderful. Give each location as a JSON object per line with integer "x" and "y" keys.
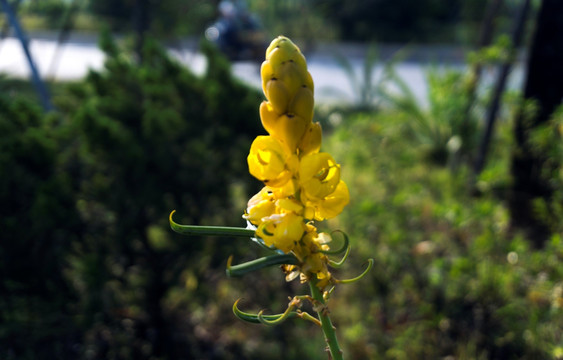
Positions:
{"x": 544, "y": 85}
{"x": 142, "y": 25}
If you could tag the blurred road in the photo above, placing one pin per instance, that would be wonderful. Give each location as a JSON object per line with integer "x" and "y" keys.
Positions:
{"x": 72, "y": 60}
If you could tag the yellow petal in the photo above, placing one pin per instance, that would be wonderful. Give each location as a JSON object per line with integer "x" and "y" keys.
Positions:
{"x": 260, "y": 206}
{"x": 333, "y": 204}
{"x": 278, "y": 96}
{"x": 319, "y": 175}
{"x": 267, "y": 160}
{"x": 268, "y": 116}
{"x": 290, "y": 205}
{"x": 290, "y": 130}
{"x": 311, "y": 141}
{"x": 302, "y": 104}
{"x": 282, "y": 231}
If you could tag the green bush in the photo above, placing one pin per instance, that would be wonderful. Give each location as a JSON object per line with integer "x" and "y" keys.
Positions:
{"x": 153, "y": 137}
{"x": 451, "y": 276}
{"x": 38, "y": 225}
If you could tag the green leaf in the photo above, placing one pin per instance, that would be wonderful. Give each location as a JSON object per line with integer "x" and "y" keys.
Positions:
{"x": 193, "y": 230}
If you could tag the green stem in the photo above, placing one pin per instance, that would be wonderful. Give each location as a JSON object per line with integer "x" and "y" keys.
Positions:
{"x": 326, "y": 324}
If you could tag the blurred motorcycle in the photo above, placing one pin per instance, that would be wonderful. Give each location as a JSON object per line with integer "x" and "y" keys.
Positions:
{"x": 237, "y": 33}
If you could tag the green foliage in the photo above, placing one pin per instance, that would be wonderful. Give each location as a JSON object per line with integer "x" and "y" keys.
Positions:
{"x": 446, "y": 127}
{"x": 167, "y": 17}
{"x": 152, "y": 138}
{"x": 366, "y": 88}
{"x": 38, "y": 224}
{"x": 90, "y": 268}
{"x": 403, "y": 20}
{"x": 51, "y": 10}
{"x": 546, "y": 142}
{"x": 451, "y": 278}
{"x": 131, "y": 143}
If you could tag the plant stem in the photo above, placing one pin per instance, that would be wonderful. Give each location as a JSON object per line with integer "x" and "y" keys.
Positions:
{"x": 326, "y": 324}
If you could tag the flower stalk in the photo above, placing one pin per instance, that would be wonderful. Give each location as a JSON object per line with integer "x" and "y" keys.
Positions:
{"x": 329, "y": 330}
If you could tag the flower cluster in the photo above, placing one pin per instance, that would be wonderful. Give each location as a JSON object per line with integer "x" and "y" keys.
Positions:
{"x": 302, "y": 184}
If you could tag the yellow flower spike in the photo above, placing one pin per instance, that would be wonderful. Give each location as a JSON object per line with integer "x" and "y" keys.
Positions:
{"x": 311, "y": 140}
{"x": 319, "y": 175}
{"x": 267, "y": 161}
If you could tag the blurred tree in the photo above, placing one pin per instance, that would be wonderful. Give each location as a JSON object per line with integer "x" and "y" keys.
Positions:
{"x": 168, "y": 17}
{"x": 544, "y": 86}
{"x": 392, "y": 20}
{"x": 154, "y": 138}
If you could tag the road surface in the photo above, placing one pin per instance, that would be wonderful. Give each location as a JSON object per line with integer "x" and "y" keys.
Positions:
{"x": 72, "y": 60}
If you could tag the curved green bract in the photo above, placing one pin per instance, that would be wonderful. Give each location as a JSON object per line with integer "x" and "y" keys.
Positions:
{"x": 345, "y": 246}
{"x": 241, "y": 269}
{"x": 193, "y": 230}
{"x": 261, "y": 318}
{"x": 338, "y": 264}
{"x": 348, "y": 281}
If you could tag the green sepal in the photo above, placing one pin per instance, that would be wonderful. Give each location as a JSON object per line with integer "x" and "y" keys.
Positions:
{"x": 193, "y": 230}
{"x": 261, "y": 318}
{"x": 278, "y": 259}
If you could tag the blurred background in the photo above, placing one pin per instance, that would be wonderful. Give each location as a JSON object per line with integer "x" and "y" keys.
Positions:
{"x": 446, "y": 119}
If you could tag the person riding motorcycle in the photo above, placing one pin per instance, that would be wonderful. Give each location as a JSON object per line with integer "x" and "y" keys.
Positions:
{"x": 237, "y": 33}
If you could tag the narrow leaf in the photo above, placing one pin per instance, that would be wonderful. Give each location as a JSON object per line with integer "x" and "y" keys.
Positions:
{"x": 279, "y": 259}
{"x": 193, "y": 230}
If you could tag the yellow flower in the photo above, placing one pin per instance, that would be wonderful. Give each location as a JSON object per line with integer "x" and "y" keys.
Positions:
{"x": 290, "y": 205}
{"x": 260, "y": 206}
{"x": 319, "y": 175}
{"x": 330, "y": 206}
{"x": 267, "y": 161}
{"x": 282, "y": 230}
{"x": 301, "y": 183}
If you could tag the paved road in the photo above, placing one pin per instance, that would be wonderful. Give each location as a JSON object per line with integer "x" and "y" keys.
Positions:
{"x": 73, "y": 59}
